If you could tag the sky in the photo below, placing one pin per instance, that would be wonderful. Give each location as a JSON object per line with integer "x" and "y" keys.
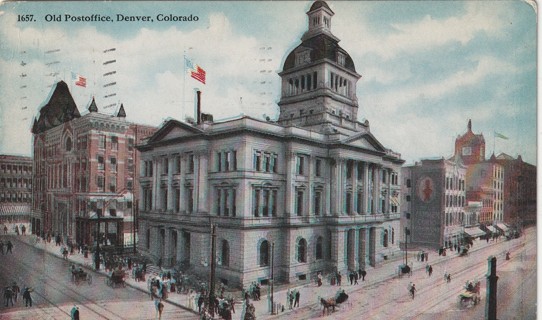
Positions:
{"x": 427, "y": 66}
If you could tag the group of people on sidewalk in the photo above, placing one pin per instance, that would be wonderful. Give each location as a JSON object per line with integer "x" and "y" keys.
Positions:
{"x": 18, "y": 229}
{"x": 11, "y": 293}
{"x": 8, "y": 245}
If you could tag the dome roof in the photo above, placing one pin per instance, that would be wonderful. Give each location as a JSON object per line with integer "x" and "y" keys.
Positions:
{"x": 321, "y": 47}
{"x": 319, "y": 4}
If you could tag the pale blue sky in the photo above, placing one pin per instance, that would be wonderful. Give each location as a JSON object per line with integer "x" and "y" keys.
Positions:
{"x": 427, "y": 66}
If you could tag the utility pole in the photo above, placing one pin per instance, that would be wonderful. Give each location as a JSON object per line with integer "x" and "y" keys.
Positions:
{"x": 97, "y": 253}
{"x": 212, "y": 282}
{"x": 272, "y": 275}
{"x": 406, "y": 246}
{"x": 491, "y": 291}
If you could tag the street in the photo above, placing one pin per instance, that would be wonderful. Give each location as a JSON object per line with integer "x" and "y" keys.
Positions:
{"x": 54, "y": 294}
{"x": 389, "y": 299}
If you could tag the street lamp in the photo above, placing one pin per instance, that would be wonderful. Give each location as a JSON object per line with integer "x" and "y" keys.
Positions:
{"x": 97, "y": 253}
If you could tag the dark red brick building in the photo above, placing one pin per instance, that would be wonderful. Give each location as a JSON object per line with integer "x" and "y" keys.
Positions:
{"x": 86, "y": 169}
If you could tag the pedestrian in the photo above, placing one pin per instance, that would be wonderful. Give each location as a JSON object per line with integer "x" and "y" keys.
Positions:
{"x": 426, "y": 256}
{"x": 288, "y": 299}
{"x": 363, "y": 274}
{"x": 27, "y": 297}
{"x": 200, "y": 302}
{"x": 5, "y": 229}
{"x": 75, "y": 313}
{"x": 413, "y": 290}
{"x": 430, "y": 270}
{"x": 319, "y": 279}
{"x": 448, "y": 278}
{"x": 8, "y": 296}
{"x": 351, "y": 277}
{"x": 16, "y": 290}
{"x": 292, "y": 293}
{"x": 159, "y": 308}
{"x": 339, "y": 277}
{"x": 297, "y": 294}
{"x": 427, "y": 268}
{"x": 355, "y": 277}
{"x": 23, "y": 230}
{"x": 9, "y": 246}
{"x": 2, "y": 246}
{"x": 17, "y": 230}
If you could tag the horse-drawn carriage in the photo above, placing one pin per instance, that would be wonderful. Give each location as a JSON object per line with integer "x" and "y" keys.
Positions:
{"x": 404, "y": 269}
{"x": 116, "y": 279}
{"x": 470, "y": 295}
{"x": 331, "y": 303}
{"x": 78, "y": 275}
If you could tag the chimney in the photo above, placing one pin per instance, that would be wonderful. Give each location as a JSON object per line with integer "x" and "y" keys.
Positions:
{"x": 198, "y": 110}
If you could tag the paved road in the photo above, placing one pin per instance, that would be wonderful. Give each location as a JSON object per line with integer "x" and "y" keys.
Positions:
{"x": 54, "y": 293}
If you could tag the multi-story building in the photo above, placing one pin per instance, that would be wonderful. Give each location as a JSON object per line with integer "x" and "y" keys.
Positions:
{"x": 519, "y": 191}
{"x": 15, "y": 190}
{"x": 485, "y": 184}
{"x": 435, "y": 198}
{"x": 316, "y": 185}
{"x": 86, "y": 170}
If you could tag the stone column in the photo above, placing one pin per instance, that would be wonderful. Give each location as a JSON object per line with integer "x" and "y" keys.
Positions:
{"x": 155, "y": 183}
{"x": 372, "y": 246}
{"x": 182, "y": 181}
{"x": 203, "y": 192}
{"x": 366, "y": 188}
{"x": 170, "y": 205}
{"x": 362, "y": 246}
{"x": 289, "y": 196}
{"x": 355, "y": 188}
{"x": 334, "y": 185}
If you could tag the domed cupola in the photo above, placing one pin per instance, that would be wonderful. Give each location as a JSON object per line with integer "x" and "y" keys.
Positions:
{"x": 319, "y": 77}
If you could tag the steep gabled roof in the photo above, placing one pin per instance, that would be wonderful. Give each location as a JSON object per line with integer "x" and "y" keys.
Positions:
{"x": 59, "y": 109}
{"x": 121, "y": 113}
{"x": 171, "y": 125}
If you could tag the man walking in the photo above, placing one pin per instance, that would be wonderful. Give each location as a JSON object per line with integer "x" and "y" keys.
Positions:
{"x": 8, "y": 296}
{"x": 75, "y": 313}
{"x": 27, "y": 297}
{"x": 296, "y": 304}
{"x": 9, "y": 246}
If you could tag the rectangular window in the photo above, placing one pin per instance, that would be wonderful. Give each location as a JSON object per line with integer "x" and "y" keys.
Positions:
{"x": 256, "y": 203}
{"x": 189, "y": 199}
{"x": 101, "y": 164}
{"x": 265, "y": 209}
{"x": 274, "y": 203}
{"x": 300, "y": 165}
{"x": 299, "y": 203}
{"x": 191, "y": 163}
{"x": 129, "y": 185}
{"x": 100, "y": 182}
{"x": 219, "y": 160}
{"x": 274, "y": 163}
{"x": 113, "y": 184}
{"x": 348, "y": 203}
{"x": 318, "y": 167}
{"x": 130, "y": 144}
{"x": 114, "y": 143}
{"x": 113, "y": 164}
{"x": 177, "y": 164}
{"x": 408, "y": 183}
{"x": 317, "y": 202}
{"x": 163, "y": 193}
{"x": 130, "y": 166}
{"x": 359, "y": 203}
{"x": 165, "y": 166}
{"x": 176, "y": 199}
{"x": 258, "y": 161}
{"x": 101, "y": 141}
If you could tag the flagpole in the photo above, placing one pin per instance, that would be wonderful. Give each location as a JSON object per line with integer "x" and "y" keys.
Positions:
{"x": 184, "y": 84}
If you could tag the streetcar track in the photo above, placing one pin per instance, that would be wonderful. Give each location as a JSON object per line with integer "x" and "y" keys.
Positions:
{"x": 94, "y": 307}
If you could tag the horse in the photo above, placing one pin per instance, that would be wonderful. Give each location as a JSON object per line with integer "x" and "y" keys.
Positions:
{"x": 327, "y": 304}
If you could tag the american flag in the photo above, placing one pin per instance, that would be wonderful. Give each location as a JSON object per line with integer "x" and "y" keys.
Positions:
{"x": 199, "y": 74}
{"x": 79, "y": 80}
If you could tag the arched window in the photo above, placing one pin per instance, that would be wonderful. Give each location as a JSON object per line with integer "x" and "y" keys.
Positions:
{"x": 319, "y": 248}
{"x": 264, "y": 253}
{"x": 69, "y": 144}
{"x": 302, "y": 250}
{"x": 225, "y": 253}
{"x": 392, "y": 235}
{"x": 385, "y": 239}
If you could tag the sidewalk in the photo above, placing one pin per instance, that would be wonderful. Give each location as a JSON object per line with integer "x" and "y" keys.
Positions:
{"x": 309, "y": 293}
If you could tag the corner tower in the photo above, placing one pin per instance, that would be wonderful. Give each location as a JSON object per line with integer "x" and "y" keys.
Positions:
{"x": 319, "y": 80}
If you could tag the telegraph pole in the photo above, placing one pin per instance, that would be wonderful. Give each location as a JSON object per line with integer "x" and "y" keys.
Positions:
{"x": 272, "y": 275}
{"x": 213, "y": 266}
{"x": 491, "y": 292}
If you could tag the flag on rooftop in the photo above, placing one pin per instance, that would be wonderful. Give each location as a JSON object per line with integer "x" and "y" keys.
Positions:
{"x": 188, "y": 64}
{"x": 79, "y": 80}
{"x": 498, "y": 135}
{"x": 199, "y": 74}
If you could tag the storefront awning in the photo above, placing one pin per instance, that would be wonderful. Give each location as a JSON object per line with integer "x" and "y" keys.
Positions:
{"x": 502, "y": 226}
{"x": 14, "y": 209}
{"x": 492, "y": 229}
{"x": 394, "y": 201}
{"x": 474, "y": 232}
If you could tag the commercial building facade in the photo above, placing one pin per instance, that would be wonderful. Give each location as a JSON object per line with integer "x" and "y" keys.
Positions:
{"x": 15, "y": 190}
{"x": 85, "y": 172}
{"x": 315, "y": 185}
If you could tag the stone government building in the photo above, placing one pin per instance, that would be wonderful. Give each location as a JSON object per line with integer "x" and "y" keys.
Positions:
{"x": 315, "y": 183}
